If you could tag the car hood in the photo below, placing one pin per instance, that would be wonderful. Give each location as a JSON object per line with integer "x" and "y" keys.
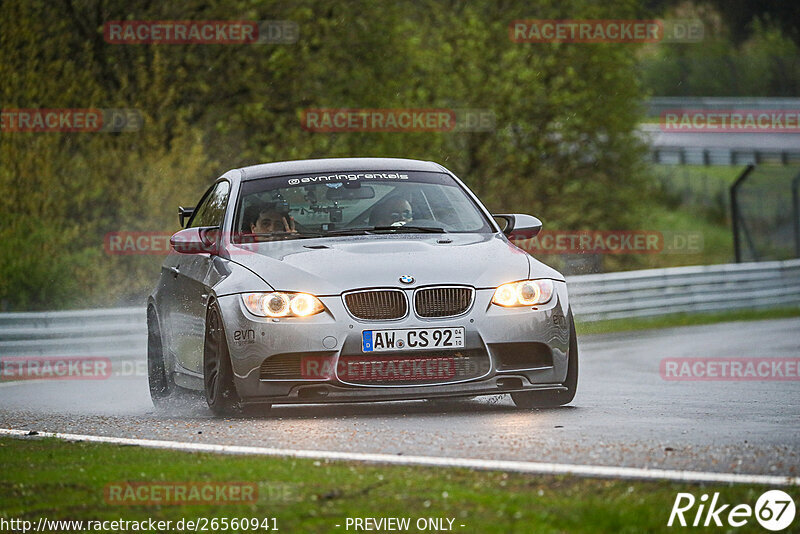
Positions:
{"x": 330, "y": 266}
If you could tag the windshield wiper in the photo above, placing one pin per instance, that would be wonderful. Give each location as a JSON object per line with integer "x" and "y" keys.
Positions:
{"x": 274, "y": 236}
{"x": 347, "y": 231}
{"x": 409, "y": 228}
{"x": 380, "y": 229}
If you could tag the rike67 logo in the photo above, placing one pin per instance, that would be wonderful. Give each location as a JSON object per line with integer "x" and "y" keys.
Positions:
{"x": 774, "y": 510}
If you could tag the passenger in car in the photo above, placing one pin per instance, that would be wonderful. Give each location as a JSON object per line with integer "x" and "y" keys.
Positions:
{"x": 394, "y": 211}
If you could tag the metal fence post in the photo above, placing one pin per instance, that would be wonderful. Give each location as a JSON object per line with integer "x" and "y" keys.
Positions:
{"x": 796, "y": 214}
{"x": 737, "y": 246}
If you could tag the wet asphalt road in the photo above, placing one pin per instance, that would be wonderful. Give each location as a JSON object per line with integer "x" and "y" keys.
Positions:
{"x": 624, "y": 414}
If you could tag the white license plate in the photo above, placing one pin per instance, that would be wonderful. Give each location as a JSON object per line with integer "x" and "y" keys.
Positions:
{"x": 412, "y": 339}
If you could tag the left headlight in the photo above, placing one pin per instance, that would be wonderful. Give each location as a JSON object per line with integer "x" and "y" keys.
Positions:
{"x": 523, "y": 293}
{"x": 278, "y": 304}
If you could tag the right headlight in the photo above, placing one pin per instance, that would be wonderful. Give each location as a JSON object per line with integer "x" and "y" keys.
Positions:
{"x": 280, "y": 304}
{"x": 523, "y": 293}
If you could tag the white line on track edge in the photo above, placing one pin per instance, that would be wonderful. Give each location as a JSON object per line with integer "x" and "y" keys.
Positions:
{"x": 539, "y": 468}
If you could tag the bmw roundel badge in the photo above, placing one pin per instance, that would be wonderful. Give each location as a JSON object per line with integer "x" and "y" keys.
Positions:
{"x": 406, "y": 279}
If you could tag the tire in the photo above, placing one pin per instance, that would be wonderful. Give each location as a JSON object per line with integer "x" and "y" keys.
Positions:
{"x": 548, "y": 399}
{"x": 220, "y": 390}
{"x": 163, "y": 390}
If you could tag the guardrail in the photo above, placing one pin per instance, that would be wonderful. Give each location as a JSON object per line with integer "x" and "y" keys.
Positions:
{"x": 121, "y": 333}
{"x": 656, "y": 105}
{"x": 721, "y": 148}
{"x": 707, "y": 148}
{"x": 707, "y": 288}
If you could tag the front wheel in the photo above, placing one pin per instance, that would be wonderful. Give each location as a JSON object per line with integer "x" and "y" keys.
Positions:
{"x": 546, "y": 399}
{"x": 163, "y": 390}
{"x": 220, "y": 391}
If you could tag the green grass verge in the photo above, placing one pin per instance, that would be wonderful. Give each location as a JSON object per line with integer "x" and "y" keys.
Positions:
{"x": 695, "y": 175}
{"x": 700, "y": 184}
{"x": 698, "y": 202}
{"x": 60, "y": 480}
{"x": 717, "y": 239}
{"x": 681, "y": 319}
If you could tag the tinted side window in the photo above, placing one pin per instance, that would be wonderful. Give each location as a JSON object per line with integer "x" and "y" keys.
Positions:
{"x": 211, "y": 210}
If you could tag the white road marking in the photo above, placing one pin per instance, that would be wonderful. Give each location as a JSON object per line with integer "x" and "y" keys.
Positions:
{"x": 433, "y": 461}
{"x": 5, "y": 384}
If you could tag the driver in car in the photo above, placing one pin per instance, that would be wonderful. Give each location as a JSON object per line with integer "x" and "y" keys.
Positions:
{"x": 395, "y": 211}
{"x": 265, "y": 218}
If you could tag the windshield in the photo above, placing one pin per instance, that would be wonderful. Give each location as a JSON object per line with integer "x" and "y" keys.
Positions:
{"x": 322, "y": 205}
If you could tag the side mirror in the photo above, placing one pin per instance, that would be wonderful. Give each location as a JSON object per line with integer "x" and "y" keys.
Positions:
{"x": 183, "y": 214}
{"x": 196, "y": 241}
{"x": 519, "y": 225}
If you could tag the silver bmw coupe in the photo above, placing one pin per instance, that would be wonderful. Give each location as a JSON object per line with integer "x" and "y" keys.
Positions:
{"x": 355, "y": 280}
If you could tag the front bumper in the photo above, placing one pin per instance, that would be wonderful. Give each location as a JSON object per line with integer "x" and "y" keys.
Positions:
{"x": 526, "y": 347}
